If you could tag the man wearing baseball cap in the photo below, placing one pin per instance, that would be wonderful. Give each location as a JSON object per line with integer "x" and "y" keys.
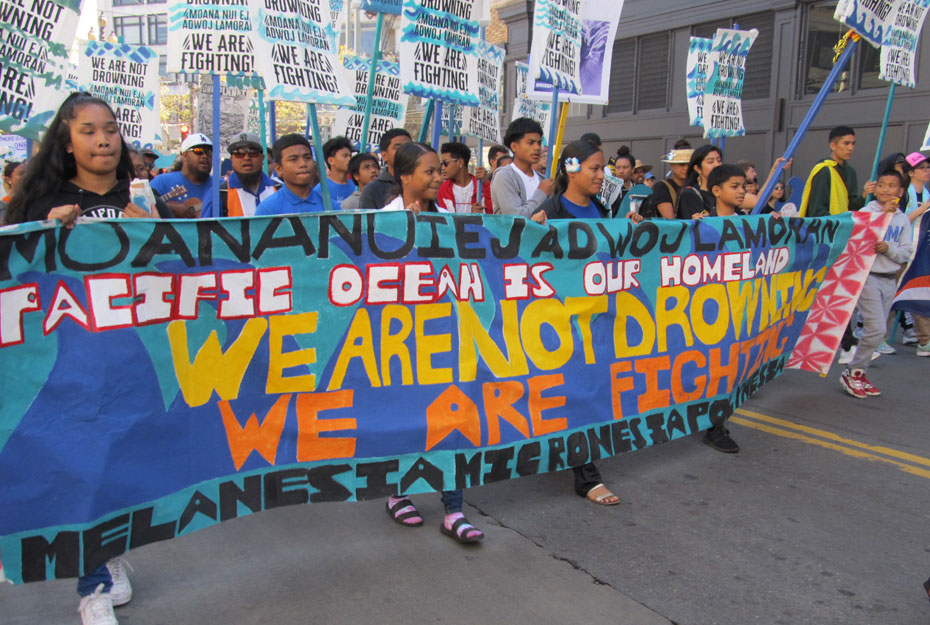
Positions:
{"x": 247, "y": 185}
{"x": 666, "y": 191}
{"x": 187, "y": 189}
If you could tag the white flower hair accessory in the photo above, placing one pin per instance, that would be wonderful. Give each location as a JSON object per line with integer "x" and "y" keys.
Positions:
{"x": 572, "y": 165}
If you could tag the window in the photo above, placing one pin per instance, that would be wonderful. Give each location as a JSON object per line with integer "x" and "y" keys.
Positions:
{"x": 158, "y": 29}
{"x": 652, "y": 72}
{"x": 129, "y": 29}
{"x": 822, "y": 34}
{"x": 869, "y": 66}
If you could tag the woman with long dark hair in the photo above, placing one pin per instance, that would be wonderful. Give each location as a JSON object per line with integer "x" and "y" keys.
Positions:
{"x": 416, "y": 168}
{"x": 623, "y": 166}
{"x": 578, "y": 179}
{"x": 82, "y": 168}
{"x": 695, "y": 197}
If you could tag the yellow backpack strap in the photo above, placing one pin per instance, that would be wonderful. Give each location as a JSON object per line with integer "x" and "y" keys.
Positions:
{"x": 806, "y": 197}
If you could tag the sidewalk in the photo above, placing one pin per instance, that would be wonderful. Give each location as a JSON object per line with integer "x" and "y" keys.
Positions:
{"x": 343, "y": 564}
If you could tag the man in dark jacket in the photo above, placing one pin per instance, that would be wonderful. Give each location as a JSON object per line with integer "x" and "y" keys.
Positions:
{"x": 833, "y": 186}
{"x": 376, "y": 193}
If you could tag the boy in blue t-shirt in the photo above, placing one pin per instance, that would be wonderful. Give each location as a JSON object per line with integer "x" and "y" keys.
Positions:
{"x": 337, "y": 152}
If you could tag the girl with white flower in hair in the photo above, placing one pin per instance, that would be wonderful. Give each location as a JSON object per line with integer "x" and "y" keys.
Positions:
{"x": 577, "y": 182}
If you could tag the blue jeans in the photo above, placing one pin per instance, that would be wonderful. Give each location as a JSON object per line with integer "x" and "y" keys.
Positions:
{"x": 87, "y": 584}
{"x": 452, "y": 500}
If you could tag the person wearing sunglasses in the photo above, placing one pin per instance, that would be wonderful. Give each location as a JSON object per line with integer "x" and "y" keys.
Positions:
{"x": 194, "y": 178}
{"x": 247, "y": 184}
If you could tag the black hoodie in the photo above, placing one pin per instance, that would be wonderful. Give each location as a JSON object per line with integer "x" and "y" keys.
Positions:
{"x": 110, "y": 205}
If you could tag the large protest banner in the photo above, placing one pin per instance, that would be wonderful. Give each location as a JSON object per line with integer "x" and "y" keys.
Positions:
{"x": 555, "y": 53}
{"x": 439, "y": 49}
{"x": 210, "y": 38}
{"x": 698, "y": 67}
{"x": 599, "y": 22}
{"x": 898, "y": 58}
{"x": 35, "y": 37}
{"x": 389, "y": 106}
{"x": 297, "y": 52}
{"x": 484, "y": 121}
{"x": 523, "y": 106}
{"x": 723, "y": 93}
{"x": 869, "y": 18}
{"x": 126, "y": 77}
{"x": 184, "y": 373}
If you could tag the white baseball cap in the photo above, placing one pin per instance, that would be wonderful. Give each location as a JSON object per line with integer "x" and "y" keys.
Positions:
{"x": 195, "y": 140}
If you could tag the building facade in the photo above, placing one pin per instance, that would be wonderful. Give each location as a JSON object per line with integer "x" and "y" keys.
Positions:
{"x": 786, "y": 68}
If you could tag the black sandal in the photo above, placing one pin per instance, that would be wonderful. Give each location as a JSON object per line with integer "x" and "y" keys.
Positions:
{"x": 401, "y": 517}
{"x": 461, "y": 535}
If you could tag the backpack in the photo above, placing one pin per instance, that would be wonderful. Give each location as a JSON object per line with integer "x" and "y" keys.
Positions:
{"x": 649, "y": 209}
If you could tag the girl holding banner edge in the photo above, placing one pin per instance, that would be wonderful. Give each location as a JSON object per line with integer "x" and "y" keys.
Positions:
{"x": 83, "y": 167}
{"x": 577, "y": 182}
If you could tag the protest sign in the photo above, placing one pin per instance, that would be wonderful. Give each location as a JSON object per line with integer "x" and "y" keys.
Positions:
{"x": 35, "y": 37}
{"x": 126, "y": 77}
{"x": 392, "y": 7}
{"x": 484, "y": 121}
{"x": 297, "y": 52}
{"x": 869, "y": 18}
{"x": 210, "y": 38}
{"x": 555, "y": 53}
{"x": 898, "y": 58}
{"x": 389, "y": 106}
{"x": 600, "y": 19}
{"x": 13, "y": 148}
{"x": 439, "y": 50}
{"x": 610, "y": 189}
{"x": 523, "y": 106}
{"x": 723, "y": 93}
{"x": 237, "y": 116}
{"x": 263, "y": 362}
{"x": 699, "y": 65}
{"x": 338, "y": 14}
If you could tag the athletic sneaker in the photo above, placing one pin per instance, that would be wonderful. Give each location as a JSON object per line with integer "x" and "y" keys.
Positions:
{"x": 923, "y": 350}
{"x": 885, "y": 349}
{"x": 868, "y": 387}
{"x": 121, "y": 592}
{"x": 851, "y": 381}
{"x": 846, "y": 356}
{"x": 909, "y": 337}
{"x": 97, "y": 609}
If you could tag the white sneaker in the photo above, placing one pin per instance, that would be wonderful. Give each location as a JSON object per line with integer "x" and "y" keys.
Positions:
{"x": 923, "y": 350}
{"x": 846, "y": 356}
{"x": 909, "y": 337}
{"x": 97, "y": 609}
{"x": 121, "y": 592}
{"x": 885, "y": 349}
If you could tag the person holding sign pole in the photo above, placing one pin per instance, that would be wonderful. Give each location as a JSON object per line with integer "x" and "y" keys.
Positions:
{"x": 194, "y": 177}
{"x": 518, "y": 189}
{"x": 83, "y": 168}
{"x": 416, "y": 167}
{"x": 832, "y": 187}
{"x": 248, "y": 185}
{"x": 293, "y": 160}
{"x": 377, "y": 193}
{"x": 337, "y": 152}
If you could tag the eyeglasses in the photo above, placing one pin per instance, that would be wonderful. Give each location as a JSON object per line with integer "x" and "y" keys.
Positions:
{"x": 200, "y": 151}
{"x": 447, "y": 162}
{"x": 244, "y": 153}
{"x": 925, "y": 166}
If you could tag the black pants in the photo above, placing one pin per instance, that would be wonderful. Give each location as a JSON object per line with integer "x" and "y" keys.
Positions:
{"x": 586, "y": 478}
{"x": 849, "y": 341}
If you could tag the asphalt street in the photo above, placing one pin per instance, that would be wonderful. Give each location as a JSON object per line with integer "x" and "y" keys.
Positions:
{"x": 821, "y": 518}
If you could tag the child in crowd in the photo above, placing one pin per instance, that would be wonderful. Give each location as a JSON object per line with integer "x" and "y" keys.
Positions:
{"x": 880, "y": 285}
{"x": 293, "y": 160}
{"x": 363, "y": 168}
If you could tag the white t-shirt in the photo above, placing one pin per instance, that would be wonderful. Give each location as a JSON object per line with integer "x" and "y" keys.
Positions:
{"x": 397, "y": 204}
{"x": 463, "y": 197}
{"x": 530, "y": 183}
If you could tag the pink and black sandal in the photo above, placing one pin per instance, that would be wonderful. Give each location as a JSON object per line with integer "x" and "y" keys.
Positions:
{"x": 404, "y": 513}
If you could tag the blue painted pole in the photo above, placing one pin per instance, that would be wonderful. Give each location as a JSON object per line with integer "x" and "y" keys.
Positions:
{"x": 307, "y": 132}
{"x": 262, "y": 127}
{"x": 320, "y": 161}
{"x": 835, "y": 73}
{"x": 372, "y": 73}
{"x": 215, "y": 191}
{"x": 427, "y": 118}
{"x": 272, "y": 121}
{"x": 437, "y": 124}
{"x": 881, "y": 135}
{"x": 553, "y": 126}
{"x": 480, "y": 164}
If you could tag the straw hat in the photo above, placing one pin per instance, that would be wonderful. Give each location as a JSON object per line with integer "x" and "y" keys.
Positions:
{"x": 678, "y": 156}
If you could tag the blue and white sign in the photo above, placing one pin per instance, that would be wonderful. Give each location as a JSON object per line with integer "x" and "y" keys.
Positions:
{"x": 555, "y": 56}
{"x": 723, "y": 93}
{"x": 898, "y": 60}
